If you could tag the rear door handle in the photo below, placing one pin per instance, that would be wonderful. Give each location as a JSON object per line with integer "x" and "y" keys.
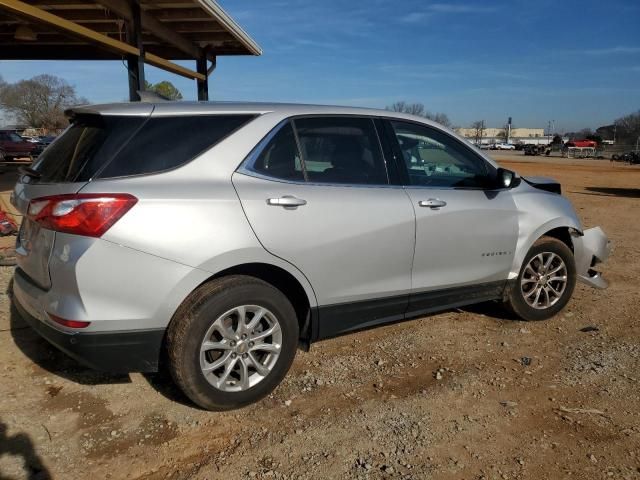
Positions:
{"x": 432, "y": 203}
{"x": 286, "y": 201}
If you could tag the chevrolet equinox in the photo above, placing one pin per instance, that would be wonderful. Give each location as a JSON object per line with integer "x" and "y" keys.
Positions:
{"x": 220, "y": 237}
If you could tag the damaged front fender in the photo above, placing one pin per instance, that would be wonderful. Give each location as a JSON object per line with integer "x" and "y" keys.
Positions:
{"x": 589, "y": 249}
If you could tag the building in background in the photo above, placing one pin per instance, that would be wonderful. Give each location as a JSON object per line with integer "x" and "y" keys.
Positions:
{"x": 496, "y": 135}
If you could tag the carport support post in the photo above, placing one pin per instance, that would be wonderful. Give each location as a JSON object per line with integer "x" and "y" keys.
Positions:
{"x": 135, "y": 64}
{"x": 203, "y": 85}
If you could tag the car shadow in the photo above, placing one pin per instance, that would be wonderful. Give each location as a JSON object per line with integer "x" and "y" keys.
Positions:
{"x": 56, "y": 362}
{"x": 613, "y": 192}
{"x": 494, "y": 310}
{"x": 20, "y": 445}
{"x": 48, "y": 357}
{"x": 162, "y": 383}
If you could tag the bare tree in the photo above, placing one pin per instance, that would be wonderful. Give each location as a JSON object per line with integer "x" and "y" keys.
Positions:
{"x": 410, "y": 108}
{"x": 442, "y": 119}
{"x": 419, "y": 110}
{"x": 628, "y": 127}
{"x": 479, "y": 128}
{"x": 39, "y": 102}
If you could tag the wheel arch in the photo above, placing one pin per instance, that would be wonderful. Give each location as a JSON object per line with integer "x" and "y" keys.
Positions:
{"x": 563, "y": 234}
{"x": 561, "y": 228}
{"x": 284, "y": 281}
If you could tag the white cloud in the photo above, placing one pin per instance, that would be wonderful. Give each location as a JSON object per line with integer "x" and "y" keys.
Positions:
{"x": 611, "y": 50}
{"x": 444, "y": 8}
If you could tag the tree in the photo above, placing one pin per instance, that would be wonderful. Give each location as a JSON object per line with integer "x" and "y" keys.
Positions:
{"x": 165, "y": 89}
{"x": 442, "y": 119}
{"x": 479, "y": 128}
{"x": 419, "y": 110}
{"x": 607, "y": 132}
{"x": 39, "y": 102}
{"x": 628, "y": 128}
{"x": 585, "y": 132}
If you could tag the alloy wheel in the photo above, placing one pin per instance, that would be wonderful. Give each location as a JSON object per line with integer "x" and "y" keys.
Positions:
{"x": 544, "y": 280}
{"x": 240, "y": 348}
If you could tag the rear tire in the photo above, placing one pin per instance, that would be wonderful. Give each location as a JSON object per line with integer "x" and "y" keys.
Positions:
{"x": 232, "y": 342}
{"x": 546, "y": 281}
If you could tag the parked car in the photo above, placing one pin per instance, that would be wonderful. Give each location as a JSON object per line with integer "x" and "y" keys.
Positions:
{"x": 532, "y": 149}
{"x": 505, "y": 146}
{"x": 628, "y": 157}
{"x": 14, "y": 146}
{"x": 485, "y": 146}
{"x": 42, "y": 143}
{"x": 228, "y": 235}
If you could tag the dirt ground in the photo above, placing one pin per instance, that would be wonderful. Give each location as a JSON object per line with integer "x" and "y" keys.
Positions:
{"x": 466, "y": 394}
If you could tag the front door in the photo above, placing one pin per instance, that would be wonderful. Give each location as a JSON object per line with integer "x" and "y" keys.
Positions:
{"x": 318, "y": 196}
{"x": 466, "y": 229}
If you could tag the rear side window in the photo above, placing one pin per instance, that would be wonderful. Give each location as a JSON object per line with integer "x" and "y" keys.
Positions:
{"x": 85, "y": 147}
{"x": 96, "y": 146}
{"x": 336, "y": 150}
{"x": 164, "y": 143}
{"x": 280, "y": 158}
{"x": 341, "y": 150}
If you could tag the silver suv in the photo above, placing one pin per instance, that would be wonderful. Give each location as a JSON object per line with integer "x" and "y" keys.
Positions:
{"x": 220, "y": 237}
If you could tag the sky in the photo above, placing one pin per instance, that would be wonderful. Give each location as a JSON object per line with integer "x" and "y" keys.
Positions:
{"x": 576, "y": 63}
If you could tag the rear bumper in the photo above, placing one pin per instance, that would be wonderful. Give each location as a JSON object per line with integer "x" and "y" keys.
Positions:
{"x": 116, "y": 352}
{"x": 590, "y": 249}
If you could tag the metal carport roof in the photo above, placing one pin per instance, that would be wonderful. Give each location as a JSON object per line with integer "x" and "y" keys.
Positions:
{"x": 144, "y": 31}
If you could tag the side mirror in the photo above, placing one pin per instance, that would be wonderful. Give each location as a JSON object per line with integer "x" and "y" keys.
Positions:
{"x": 507, "y": 178}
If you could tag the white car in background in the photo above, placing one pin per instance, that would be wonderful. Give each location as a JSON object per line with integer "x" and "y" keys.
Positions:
{"x": 504, "y": 146}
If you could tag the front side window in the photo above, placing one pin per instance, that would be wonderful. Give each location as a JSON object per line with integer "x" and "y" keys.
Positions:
{"x": 434, "y": 159}
{"x": 341, "y": 150}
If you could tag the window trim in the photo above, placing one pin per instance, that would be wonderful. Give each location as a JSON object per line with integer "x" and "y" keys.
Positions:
{"x": 391, "y": 137}
{"x": 246, "y": 167}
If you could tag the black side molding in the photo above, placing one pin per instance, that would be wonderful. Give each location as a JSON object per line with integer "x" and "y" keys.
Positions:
{"x": 338, "y": 319}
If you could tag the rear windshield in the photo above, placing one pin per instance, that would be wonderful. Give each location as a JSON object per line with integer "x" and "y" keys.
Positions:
{"x": 97, "y": 146}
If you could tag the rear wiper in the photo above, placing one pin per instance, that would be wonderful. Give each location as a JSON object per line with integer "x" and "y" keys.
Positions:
{"x": 29, "y": 172}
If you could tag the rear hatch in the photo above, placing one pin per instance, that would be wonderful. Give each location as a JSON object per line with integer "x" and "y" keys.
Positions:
{"x": 106, "y": 146}
{"x": 65, "y": 166}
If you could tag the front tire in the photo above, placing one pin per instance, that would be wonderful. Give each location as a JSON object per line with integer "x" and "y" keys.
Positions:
{"x": 232, "y": 342}
{"x": 546, "y": 281}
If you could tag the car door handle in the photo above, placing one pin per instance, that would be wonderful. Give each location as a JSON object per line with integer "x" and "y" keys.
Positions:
{"x": 432, "y": 203}
{"x": 286, "y": 201}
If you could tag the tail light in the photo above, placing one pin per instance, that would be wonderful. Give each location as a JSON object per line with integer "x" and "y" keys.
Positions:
{"x": 90, "y": 214}
{"x": 68, "y": 323}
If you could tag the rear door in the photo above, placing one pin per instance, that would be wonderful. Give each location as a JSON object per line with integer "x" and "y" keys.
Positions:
{"x": 466, "y": 228}
{"x": 316, "y": 193}
{"x": 64, "y": 168}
